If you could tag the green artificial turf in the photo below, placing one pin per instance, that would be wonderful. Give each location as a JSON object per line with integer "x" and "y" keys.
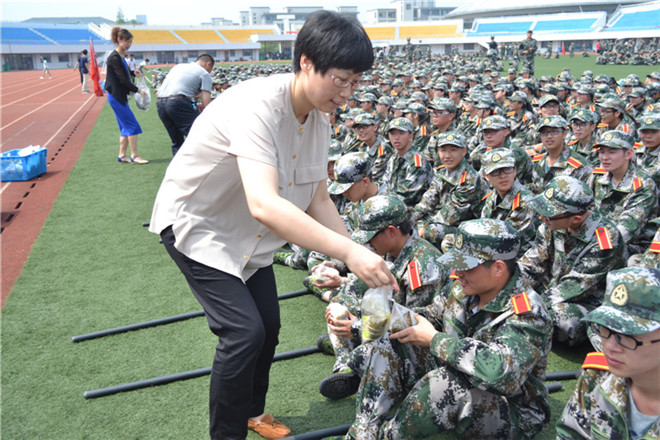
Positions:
{"x": 94, "y": 266}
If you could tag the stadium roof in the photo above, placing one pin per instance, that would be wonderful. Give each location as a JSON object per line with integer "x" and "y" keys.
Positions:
{"x": 488, "y": 8}
{"x": 69, "y": 20}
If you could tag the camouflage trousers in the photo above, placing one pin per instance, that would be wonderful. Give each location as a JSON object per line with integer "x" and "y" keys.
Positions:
{"x": 436, "y": 232}
{"x": 528, "y": 62}
{"x": 567, "y": 321}
{"x": 433, "y": 398}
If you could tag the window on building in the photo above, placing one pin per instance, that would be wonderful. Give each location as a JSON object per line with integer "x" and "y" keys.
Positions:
{"x": 468, "y": 46}
{"x": 63, "y": 58}
{"x": 247, "y": 52}
{"x": 192, "y": 55}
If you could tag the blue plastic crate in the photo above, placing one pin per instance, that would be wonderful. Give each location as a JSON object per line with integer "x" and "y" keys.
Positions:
{"x": 15, "y": 168}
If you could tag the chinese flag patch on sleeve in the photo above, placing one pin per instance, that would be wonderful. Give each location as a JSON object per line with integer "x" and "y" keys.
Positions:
{"x": 521, "y": 304}
{"x": 413, "y": 275}
{"x": 595, "y": 359}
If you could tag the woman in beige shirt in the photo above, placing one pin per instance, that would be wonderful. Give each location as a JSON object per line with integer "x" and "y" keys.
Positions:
{"x": 250, "y": 177}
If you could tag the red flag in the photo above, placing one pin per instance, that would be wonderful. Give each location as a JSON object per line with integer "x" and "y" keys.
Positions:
{"x": 563, "y": 49}
{"x": 94, "y": 70}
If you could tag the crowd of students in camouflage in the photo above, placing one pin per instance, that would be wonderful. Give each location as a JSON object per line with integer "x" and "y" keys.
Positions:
{"x": 445, "y": 167}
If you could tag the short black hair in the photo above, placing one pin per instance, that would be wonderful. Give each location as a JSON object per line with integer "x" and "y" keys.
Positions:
{"x": 405, "y": 227}
{"x": 511, "y": 264}
{"x": 84, "y": 52}
{"x": 205, "y": 58}
{"x": 331, "y": 40}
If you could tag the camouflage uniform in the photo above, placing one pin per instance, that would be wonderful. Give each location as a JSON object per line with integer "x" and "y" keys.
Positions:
{"x": 588, "y": 151}
{"x": 454, "y": 196}
{"x": 379, "y": 152}
{"x": 631, "y": 203}
{"x": 600, "y": 406}
{"x": 409, "y": 175}
{"x": 569, "y": 269}
{"x": 569, "y": 163}
{"x": 481, "y": 375}
{"x": 431, "y": 152}
{"x": 646, "y": 159}
{"x": 627, "y": 125}
{"x": 524, "y": 164}
{"x": 520, "y": 124}
{"x": 530, "y": 46}
{"x": 515, "y": 208}
{"x": 375, "y": 215}
{"x": 651, "y": 257}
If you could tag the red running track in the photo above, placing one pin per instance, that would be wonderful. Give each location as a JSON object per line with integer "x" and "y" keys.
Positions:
{"x": 56, "y": 115}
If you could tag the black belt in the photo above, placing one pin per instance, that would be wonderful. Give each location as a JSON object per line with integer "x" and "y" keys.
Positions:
{"x": 169, "y": 98}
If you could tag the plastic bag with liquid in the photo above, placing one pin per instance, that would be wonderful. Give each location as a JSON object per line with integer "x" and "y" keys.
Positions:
{"x": 375, "y": 310}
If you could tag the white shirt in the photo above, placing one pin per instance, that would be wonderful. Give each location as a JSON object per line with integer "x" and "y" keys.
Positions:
{"x": 202, "y": 195}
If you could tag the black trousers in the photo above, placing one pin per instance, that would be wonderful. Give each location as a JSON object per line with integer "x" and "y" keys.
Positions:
{"x": 177, "y": 116}
{"x": 246, "y": 319}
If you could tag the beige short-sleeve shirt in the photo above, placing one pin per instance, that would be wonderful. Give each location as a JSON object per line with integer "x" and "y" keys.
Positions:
{"x": 202, "y": 195}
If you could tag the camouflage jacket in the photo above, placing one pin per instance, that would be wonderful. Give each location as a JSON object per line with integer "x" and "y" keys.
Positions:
{"x": 516, "y": 210}
{"x": 651, "y": 257}
{"x": 648, "y": 161}
{"x": 568, "y": 267}
{"x": 598, "y": 409}
{"x": 431, "y": 277}
{"x": 520, "y": 124}
{"x": 627, "y": 125}
{"x": 431, "y": 151}
{"x": 528, "y": 45}
{"x": 568, "y": 164}
{"x": 408, "y": 176}
{"x": 524, "y": 164}
{"x": 496, "y": 349}
{"x": 453, "y": 196}
{"x": 630, "y": 205}
{"x": 379, "y": 153}
{"x": 587, "y": 151}
{"x": 421, "y": 139}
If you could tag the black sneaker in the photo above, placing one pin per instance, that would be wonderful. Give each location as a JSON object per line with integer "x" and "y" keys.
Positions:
{"x": 340, "y": 385}
{"x": 325, "y": 345}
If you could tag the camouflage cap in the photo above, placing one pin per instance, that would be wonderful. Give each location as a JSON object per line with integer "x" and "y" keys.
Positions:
{"x": 335, "y": 150}
{"x": 378, "y": 213}
{"x": 350, "y": 168}
{"x": 631, "y": 81}
{"x": 519, "y": 96}
{"x": 550, "y": 88}
{"x": 586, "y": 89}
{"x": 368, "y": 97}
{"x": 653, "y": 88}
{"x": 612, "y": 101}
{"x": 402, "y": 103}
{"x": 352, "y": 113}
{"x": 451, "y": 138}
{"x": 415, "y": 107}
{"x": 402, "y": 124}
{"x": 632, "y": 301}
{"x": 481, "y": 240}
{"x": 457, "y": 87}
{"x": 512, "y": 70}
{"x": 552, "y": 121}
{"x": 564, "y": 194}
{"x": 637, "y": 92}
{"x": 649, "y": 121}
{"x": 584, "y": 115}
{"x": 603, "y": 78}
{"x": 439, "y": 85}
{"x": 365, "y": 119}
{"x": 443, "y": 104}
{"x": 616, "y": 139}
{"x": 546, "y": 99}
{"x": 386, "y": 82}
{"x": 484, "y": 102}
{"x": 397, "y": 82}
{"x": 654, "y": 75}
{"x": 386, "y": 100}
{"x": 498, "y": 158}
{"x": 494, "y": 122}
{"x": 419, "y": 96}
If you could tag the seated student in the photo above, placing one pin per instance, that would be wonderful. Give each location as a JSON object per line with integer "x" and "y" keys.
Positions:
{"x": 474, "y": 362}
{"x": 574, "y": 249}
{"x": 368, "y": 139}
{"x": 408, "y": 174}
{"x": 384, "y": 224}
{"x": 559, "y": 159}
{"x": 618, "y": 394}
{"x": 419, "y": 116}
{"x": 454, "y": 195}
{"x": 549, "y": 106}
{"x": 647, "y": 155}
{"x": 623, "y": 192}
{"x": 583, "y": 125}
{"x": 613, "y": 116}
{"x": 443, "y": 114}
{"x": 496, "y": 134}
{"x": 521, "y": 115}
{"x": 352, "y": 181}
{"x": 651, "y": 257}
{"x": 509, "y": 200}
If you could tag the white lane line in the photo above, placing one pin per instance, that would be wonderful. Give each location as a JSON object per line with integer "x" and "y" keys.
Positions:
{"x": 37, "y": 109}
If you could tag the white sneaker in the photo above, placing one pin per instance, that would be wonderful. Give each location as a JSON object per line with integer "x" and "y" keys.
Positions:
{"x": 41, "y": 77}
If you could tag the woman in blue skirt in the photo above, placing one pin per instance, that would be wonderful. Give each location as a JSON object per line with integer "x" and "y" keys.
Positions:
{"x": 118, "y": 84}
